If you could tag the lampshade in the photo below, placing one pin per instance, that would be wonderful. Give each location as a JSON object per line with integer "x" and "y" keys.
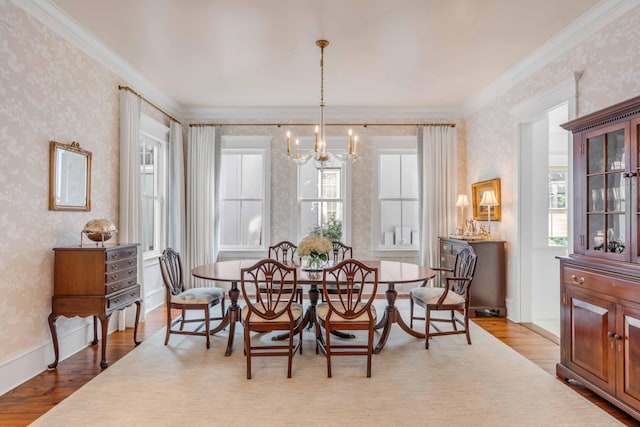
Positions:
{"x": 489, "y": 199}
{"x": 463, "y": 201}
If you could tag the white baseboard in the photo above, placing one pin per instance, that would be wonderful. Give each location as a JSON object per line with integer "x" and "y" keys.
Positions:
{"x": 512, "y": 313}
{"x": 32, "y": 362}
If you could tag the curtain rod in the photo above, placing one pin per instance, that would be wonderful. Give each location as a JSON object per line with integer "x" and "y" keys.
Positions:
{"x": 327, "y": 124}
{"x": 149, "y": 102}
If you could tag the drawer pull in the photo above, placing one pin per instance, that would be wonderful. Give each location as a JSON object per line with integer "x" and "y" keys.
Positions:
{"x": 117, "y": 300}
{"x": 577, "y": 281}
{"x": 131, "y": 282}
{"x": 131, "y": 272}
{"x": 610, "y": 334}
{"x": 132, "y": 294}
{"x": 131, "y": 262}
{"x": 114, "y": 276}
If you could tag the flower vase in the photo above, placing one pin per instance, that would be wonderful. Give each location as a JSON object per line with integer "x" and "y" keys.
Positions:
{"x": 314, "y": 263}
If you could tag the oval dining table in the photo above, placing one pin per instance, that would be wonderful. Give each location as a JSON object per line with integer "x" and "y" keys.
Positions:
{"x": 389, "y": 273}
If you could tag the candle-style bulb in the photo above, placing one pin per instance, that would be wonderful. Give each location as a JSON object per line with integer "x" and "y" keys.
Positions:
{"x": 288, "y": 143}
{"x": 297, "y": 153}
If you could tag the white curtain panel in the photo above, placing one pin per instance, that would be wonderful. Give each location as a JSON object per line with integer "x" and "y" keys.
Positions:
{"x": 176, "y": 194}
{"x": 130, "y": 226}
{"x": 438, "y": 182}
{"x": 201, "y": 202}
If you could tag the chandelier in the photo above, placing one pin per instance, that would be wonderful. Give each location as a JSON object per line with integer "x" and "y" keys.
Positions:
{"x": 320, "y": 153}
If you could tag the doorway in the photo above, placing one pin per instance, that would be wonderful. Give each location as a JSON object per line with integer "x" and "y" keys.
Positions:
{"x": 544, "y": 219}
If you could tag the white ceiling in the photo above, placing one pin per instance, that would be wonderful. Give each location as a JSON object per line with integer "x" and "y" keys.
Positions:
{"x": 431, "y": 54}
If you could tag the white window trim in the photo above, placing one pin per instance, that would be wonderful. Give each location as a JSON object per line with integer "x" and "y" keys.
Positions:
{"x": 333, "y": 144}
{"x": 381, "y": 145}
{"x": 156, "y": 131}
{"x": 245, "y": 144}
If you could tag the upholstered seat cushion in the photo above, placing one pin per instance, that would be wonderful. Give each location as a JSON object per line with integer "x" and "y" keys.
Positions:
{"x": 296, "y": 311}
{"x": 323, "y": 309}
{"x": 198, "y": 296}
{"x": 431, "y": 295}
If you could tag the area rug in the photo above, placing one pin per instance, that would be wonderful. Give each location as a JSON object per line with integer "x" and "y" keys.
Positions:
{"x": 454, "y": 384}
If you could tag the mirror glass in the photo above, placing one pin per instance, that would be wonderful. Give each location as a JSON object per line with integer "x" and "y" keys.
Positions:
{"x": 70, "y": 177}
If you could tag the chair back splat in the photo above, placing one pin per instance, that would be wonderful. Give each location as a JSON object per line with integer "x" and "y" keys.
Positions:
{"x": 285, "y": 251}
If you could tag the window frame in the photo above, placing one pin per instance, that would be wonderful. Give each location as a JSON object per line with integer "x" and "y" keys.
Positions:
{"x": 390, "y": 145}
{"x": 337, "y": 145}
{"x": 250, "y": 144}
{"x": 156, "y": 133}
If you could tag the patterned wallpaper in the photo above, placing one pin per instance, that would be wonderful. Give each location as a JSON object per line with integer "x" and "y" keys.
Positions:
{"x": 50, "y": 91}
{"x": 610, "y": 60}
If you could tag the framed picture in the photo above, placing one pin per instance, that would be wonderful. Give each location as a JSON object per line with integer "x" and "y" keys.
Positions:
{"x": 477, "y": 189}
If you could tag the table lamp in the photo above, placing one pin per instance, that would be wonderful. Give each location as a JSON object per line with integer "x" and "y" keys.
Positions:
{"x": 462, "y": 203}
{"x": 489, "y": 200}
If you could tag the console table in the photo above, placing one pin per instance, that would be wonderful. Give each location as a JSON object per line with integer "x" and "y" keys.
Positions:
{"x": 489, "y": 285}
{"x": 94, "y": 281}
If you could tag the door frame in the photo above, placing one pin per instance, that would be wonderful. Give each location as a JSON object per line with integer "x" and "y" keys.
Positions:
{"x": 526, "y": 112}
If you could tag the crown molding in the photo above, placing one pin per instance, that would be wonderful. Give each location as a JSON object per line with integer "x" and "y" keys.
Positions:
{"x": 292, "y": 114}
{"x": 63, "y": 25}
{"x": 591, "y": 22}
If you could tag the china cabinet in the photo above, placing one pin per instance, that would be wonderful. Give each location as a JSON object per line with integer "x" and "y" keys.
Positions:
{"x": 600, "y": 281}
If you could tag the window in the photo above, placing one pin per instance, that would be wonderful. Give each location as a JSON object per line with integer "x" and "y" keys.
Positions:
{"x": 244, "y": 193}
{"x": 558, "y": 175}
{"x": 323, "y": 197}
{"x": 396, "y": 188}
{"x": 154, "y": 139}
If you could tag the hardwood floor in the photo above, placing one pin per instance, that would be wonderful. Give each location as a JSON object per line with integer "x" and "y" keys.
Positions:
{"x": 24, "y": 404}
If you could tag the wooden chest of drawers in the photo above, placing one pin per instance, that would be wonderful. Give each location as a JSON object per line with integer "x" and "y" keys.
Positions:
{"x": 94, "y": 281}
{"x": 489, "y": 285}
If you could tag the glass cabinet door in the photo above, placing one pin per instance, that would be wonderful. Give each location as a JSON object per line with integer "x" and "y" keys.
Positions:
{"x": 606, "y": 193}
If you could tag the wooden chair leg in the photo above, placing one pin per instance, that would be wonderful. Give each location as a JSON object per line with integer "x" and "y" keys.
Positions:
{"x": 182, "y": 319}
{"x": 410, "y": 311}
{"x": 466, "y": 326}
{"x": 369, "y": 351}
{"x": 247, "y": 349}
{"x": 453, "y": 320}
{"x": 166, "y": 337}
{"x": 327, "y": 347}
{"x": 427, "y": 323}
{"x": 207, "y": 325}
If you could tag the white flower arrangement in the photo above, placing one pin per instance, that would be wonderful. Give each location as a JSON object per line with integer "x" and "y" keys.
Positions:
{"x": 315, "y": 246}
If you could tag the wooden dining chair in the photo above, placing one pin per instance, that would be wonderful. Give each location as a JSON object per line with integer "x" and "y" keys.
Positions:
{"x": 177, "y": 297}
{"x": 339, "y": 252}
{"x": 453, "y": 297}
{"x": 269, "y": 289}
{"x": 347, "y": 311}
{"x": 286, "y": 251}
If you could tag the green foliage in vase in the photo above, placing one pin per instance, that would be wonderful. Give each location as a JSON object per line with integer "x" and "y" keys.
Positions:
{"x": 332, "y": 229}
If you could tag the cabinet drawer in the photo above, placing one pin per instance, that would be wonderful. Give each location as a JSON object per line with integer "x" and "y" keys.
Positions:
{"x": 121, "y": 265}
{"x": 115, "y": 275}
{"x": 121, "y": 253}
{"x": 117, "y": 286}
{"x": 123, "y": 298}
{"x": 607, "y": 284}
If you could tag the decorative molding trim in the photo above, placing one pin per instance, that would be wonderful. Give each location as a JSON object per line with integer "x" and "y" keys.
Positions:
{"x": 63, "y": 25}
{"x": 591, "y": 22}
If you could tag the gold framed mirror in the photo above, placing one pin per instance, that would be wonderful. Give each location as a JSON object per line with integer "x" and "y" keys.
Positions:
{"x": 69, "y": 177}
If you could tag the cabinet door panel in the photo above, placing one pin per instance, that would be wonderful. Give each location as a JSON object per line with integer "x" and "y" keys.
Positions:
{"x": 591, "y": 349}
{"x": 629, "y": 356}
